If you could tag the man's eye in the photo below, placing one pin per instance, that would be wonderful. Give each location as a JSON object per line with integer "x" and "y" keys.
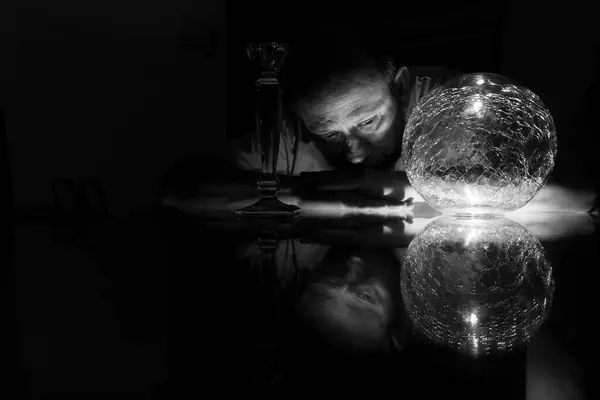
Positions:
{"x": 331, "y": 136}
{"x": 366, "y": 297}
{"x": 367, "y": 124}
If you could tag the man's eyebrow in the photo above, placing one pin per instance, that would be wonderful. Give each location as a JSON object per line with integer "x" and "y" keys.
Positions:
{"x": 363, "y": 109}
{"x": 321, "y": 125}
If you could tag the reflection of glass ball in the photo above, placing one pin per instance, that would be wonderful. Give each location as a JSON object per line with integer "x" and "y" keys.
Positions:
{"x": 479, "y": 144}
{"x": 477, "y": 285}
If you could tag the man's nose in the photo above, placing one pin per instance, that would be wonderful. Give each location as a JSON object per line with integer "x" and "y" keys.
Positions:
{"x": 354, "y": 143}
{"x": 356, "y": 267}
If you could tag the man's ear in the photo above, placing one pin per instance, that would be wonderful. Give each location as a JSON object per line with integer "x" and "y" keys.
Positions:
{"x": 401, "y": 82}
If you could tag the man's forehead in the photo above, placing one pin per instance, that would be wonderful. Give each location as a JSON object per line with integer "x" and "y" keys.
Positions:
{"x": 338, "y": 105}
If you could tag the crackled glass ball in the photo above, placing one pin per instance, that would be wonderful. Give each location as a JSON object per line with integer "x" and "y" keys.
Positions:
{"x": 477, "y": 285}
{"x": 479, "y": 144}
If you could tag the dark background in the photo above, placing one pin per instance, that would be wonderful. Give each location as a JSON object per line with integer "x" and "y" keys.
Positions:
{"x": 121, "y": 89}
{"x": 116, "y": 89}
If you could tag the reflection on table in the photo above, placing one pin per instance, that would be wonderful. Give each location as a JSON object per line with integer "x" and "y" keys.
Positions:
{"x": 477, "y": 285}
{"x": 356, "y": 295}
{"x": 361, "y": 289}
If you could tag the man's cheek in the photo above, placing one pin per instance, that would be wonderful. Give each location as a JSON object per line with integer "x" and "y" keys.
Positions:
{"x": 337, "y": 147}
{"x": 383, "y": 140}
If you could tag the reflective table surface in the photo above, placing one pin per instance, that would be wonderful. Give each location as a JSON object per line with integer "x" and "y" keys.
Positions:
{"x": 361, "y": 294}
{"x": 356, "y": 293}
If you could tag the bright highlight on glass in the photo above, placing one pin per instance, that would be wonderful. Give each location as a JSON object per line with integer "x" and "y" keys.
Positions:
{"x": 479, "y": 144}
{"x": 477, "y": 285}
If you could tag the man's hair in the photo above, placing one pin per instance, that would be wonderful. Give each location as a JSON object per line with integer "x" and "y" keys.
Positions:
{"x": 316, "y": 67}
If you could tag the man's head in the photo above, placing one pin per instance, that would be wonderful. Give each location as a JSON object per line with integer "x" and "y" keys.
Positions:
{"x": 349, "y": 303}
{"x": 353, "y": 103}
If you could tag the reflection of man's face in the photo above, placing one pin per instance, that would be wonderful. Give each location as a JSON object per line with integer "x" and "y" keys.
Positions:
{"x": 359, "y": 120}
{"x": 351, "y": 303}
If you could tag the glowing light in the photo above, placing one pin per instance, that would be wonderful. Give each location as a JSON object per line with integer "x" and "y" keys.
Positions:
{"x": 470, "y": 236}
{"x": 473, "y": 319}
{"x": 472, "y": 196}
{"x": 474, "y": 109}
{"x": 474, "y": 344}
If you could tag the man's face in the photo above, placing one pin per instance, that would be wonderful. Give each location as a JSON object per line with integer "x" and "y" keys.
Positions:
{"x": 350, "y": 303}
{"x": 359, "y": 120}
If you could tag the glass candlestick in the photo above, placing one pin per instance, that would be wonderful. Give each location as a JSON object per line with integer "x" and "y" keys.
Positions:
{"x": 268, "y": 57}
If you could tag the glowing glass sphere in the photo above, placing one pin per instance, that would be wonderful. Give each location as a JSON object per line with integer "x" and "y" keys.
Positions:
{"x": 479, "y": 144}
{"x": 477, "y": 285}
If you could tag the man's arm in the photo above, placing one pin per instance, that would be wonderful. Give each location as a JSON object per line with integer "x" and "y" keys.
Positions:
{"x": 394, "y": 185}
{"x": 390, "y": 185}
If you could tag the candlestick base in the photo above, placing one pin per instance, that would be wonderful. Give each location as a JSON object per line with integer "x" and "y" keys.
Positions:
{"x": 269, "y": 207}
